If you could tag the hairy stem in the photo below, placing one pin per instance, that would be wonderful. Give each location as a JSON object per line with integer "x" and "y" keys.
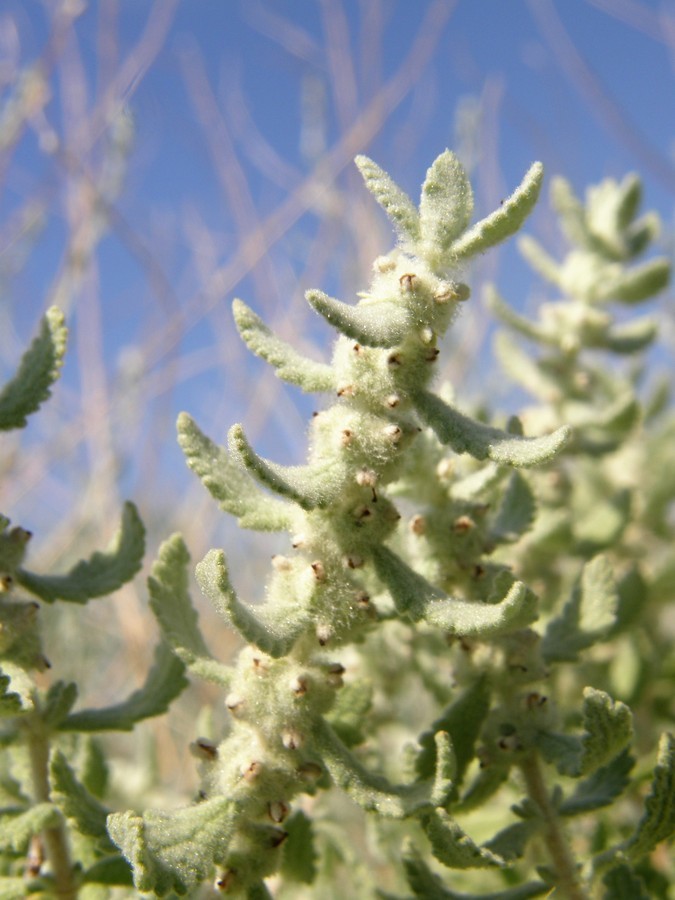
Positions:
{"x": 55, "y": 839}
{"x": 553, "y": 834}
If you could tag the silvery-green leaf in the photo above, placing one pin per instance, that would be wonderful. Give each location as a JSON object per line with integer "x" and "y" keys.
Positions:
{"x": 377, "y": 324}
{"x": 524, "y": 326}
{"x": 101, "y": 574}
{"x": 601, "y": 788}
{"x": 395, "y": 202}
{"x": 446, "y": 204}
{"x": 631, "y": 337}
{"x": 171, "y": 604}
{"x": 370, "y": 790}
{"x": 571, "y": 211}
{"x": 426, "y": 885}
{"x": 452, "y": 846}
{"x": 17, "y": 690}
{"x": 76, "y": 803}
{"x": 165, "y": 681}
{"x": 38, "y": 370}
{"x": 304, "y": 485}
{"x": 658, "y": 822}
{"x": 17, "y": 827}
{"x": 539, "y": 259}
{"x": 175, "y": 850}
{"x": 481, "y": 441}
{"x": 503, "y": 222}
{"x": 299, "y": 862}
{"x": 416, "y": 598}
{"x": 229, "y": 484}
{"x": 639, "y": 283}
{"x": 588, "y": 615}
{"x": 516, "y": 511}
{"x": 524, "y": 369}
{"x": 608, "y": 728}
{"x": 290, "y": 365}
{"x": 274, "y": 631}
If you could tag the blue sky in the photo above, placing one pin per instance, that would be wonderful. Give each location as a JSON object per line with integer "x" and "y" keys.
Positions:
{"x": 238, "y": 104}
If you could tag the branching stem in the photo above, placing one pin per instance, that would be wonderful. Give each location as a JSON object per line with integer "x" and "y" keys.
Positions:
{"x": 553, "y": 834}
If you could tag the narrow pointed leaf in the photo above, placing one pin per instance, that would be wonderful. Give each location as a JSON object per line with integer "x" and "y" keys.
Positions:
{"x": 395, "y": 202}
{"x": 38, "y": 370}
{"x": 587, "y": 617}
{"x": 503, "y": 222}
{"x": 171, "y": 604}
{"x": 445, "y": 770}
{"x": 304, "y": 485}
{"x": 658, "y": 821}
{"x": 571, "y": 211}
{"x": 165, "y": 681}
{"x": 452, "y": 846}
{"x": 539, "y": 259}
{"x": 174, "y": 850}
{"x": 370, "y": 790}
{"x": 446, "y": 204}
{"x": 290, "y": 365}
{"x": 272, "y": 634}
{"x": 526, "y": 371}
{"x": 229, "y": 484}
{"x": 481, "y": 441}
{"x": 377, "y": 324}
{"x": 101, "y": 574}
{"x": 415, "y": 597}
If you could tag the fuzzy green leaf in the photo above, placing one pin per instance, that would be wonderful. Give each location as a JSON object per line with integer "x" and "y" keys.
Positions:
{"x": 587, "y": 617}
{"x": 416, "y": 598}
{"x": 395, "y": 202}
{"x": 273, "y": 632}
{"x": 452, "y": 846}
{"x": 300, "y": 856}
{"x": 233, "y": 488}
{"x": 508, "y": 316}
{"x": 511, "y": 842}
{"x": 639, "y": 283}
{"x": 290, "y": 365}
{"x": 463, "y": 721}
{"x": 59, "y": 701}
{"x": 373, "y": 792}
{"x": 632, "y": 337}
{"x": 38, "y": 370}
{"x": 516, "y": 511}
{"x": 17, "y": 827}
{"x": 446, "y": 204}
{"x": 601, "y": 788}
{"x": 658, "y": 821}
{"x": 571, "y": 212}
{"x": 481, "y": 441}
{"x": 526, "y": 370}
{"x": 165, "y": 681}
{"x": 305, "y": 485}
{"x": 348, "y": 714}
{"x": 539, "y": 259}
{"x": 101, "y": 574}
{"x": 376, "y": 324}
{"x": 426, "y": 885}
{"x": 623, "y": 884}
{"x": 110, "y": 870}
{"x": 176, "y": 849}
{"x": 503, "y": 222}
{"x": 75, "y": 801}
{"x": 171, "y": 604}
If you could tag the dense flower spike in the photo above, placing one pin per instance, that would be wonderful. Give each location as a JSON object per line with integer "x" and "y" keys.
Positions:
{"x": 373, "y": 601}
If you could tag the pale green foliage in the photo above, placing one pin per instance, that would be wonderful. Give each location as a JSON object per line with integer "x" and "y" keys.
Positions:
{"x": 436, "y": 645}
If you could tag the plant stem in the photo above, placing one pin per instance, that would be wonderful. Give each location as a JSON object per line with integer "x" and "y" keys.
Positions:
{"x": 553, "y": 834}
{"x": 55, "y": 839}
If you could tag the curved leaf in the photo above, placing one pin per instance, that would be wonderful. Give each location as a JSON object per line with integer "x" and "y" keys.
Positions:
{"x": 395, "y": 202}
{"x": 377, "y": 324}
{"x": 446, "y": 204}
{"x": 290, "y": 365}
{"x": 481, "y": 441}
{"x": 38, "y": 370}
{"x": 101, "y": 574}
